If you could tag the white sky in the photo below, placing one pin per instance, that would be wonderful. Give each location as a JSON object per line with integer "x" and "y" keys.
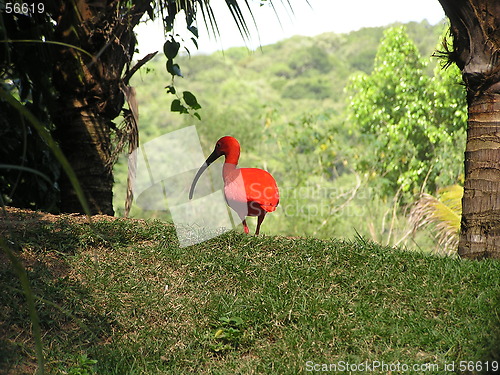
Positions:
{"x": 339, "y": 16}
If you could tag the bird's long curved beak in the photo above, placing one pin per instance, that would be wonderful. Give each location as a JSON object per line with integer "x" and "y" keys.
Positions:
{"x": 213, "y": 156}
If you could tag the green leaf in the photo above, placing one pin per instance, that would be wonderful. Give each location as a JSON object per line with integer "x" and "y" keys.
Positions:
{"x": 26, "y": 169}
{"x": 170, "y": 89}
{"x": 190, "y": 100}
{"x": 236, "y": 321}
{"x": 171, "y": 48}
{"x": 177, "y": 106}
{"x": 177, "y": 70}
{"x": 173, "y": 69}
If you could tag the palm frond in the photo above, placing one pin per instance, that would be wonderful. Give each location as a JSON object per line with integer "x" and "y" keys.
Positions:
{"x": 442, "y": 214}
{"x": 168, "y": 9}
{"x": 208, "y": 13}
{"x": 239, "y": 18}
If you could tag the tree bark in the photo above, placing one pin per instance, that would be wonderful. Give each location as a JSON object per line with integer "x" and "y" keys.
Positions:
{"x": 480, "y": 232}
{"x": 476, "y": 45}
{"x": 85, "y": 140}
{"x": 90, "y": 96}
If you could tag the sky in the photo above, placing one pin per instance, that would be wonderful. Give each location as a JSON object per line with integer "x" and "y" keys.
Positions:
{"x": 320, "y": 16}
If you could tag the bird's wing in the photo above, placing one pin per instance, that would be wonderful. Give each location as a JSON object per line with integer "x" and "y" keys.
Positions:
{"x": 260, "y": 187}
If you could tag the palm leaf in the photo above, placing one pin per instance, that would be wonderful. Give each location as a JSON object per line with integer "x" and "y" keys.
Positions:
{"x": 442, "y": 214}
{"x": 206, "y": 11}
{"x": 169, "y": 8}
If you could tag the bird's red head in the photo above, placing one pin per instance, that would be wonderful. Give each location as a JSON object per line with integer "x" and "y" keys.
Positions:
{"x": 228, "y": 146}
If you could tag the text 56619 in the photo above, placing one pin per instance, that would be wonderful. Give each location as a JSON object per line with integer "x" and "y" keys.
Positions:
{"x": 24, "y": 8}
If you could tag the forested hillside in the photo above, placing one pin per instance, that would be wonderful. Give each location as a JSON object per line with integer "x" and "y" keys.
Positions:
{"x": 288, "y": 105}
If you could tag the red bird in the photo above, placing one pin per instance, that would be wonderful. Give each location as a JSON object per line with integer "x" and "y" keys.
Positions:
{"x": 248, "y": 191}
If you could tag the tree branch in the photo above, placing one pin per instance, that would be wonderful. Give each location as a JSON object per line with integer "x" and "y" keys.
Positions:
{"x": 140, "y": 63}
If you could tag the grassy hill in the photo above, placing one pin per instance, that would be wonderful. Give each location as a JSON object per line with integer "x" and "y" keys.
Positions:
{"x": 121, "y": 297}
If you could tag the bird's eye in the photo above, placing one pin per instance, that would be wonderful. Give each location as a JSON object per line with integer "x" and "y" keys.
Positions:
{"x": 217, "y": 145}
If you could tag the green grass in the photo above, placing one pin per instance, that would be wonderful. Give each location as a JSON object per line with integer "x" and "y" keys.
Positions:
{"x": 122, "y": 298}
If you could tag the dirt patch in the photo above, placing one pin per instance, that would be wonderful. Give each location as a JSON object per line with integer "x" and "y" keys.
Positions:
{"x": 18, "y": 219}
{"x": 17, "y": 223}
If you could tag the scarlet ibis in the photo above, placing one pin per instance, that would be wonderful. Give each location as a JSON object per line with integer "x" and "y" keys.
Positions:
{"x": 248, "y": 191}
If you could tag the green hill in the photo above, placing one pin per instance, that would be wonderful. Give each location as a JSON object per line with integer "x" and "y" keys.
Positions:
{"x": 286, "y": 104}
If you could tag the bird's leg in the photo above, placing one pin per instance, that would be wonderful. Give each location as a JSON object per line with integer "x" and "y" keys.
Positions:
{"x": 260, "y": 219}
{"x": 245, "y": 226}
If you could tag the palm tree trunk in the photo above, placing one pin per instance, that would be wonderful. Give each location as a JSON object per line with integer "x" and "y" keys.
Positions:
{"x": 90, "y": 95}
{"x": 476, "y": 42}
{"x": 84, "y": 137}
{"x": 480, "y": 234}
{"x": 89, "y": 99}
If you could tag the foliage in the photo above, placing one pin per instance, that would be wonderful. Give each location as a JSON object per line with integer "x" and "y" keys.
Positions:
{"x": 84, "y": 54}
{"x": 414, "y": 123}
{"x": 129, "y": 298}
{"x": 305, "y": 140}
{"x": 29, "y": 171}
{"x": 227, "y": 334}
{"x": 187, "y": 102}
{"x": 443, "y": 213}
{"x": 85, "y": 366}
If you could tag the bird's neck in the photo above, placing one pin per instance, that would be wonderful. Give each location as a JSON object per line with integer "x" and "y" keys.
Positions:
{"x": 232, "y": 157}
{"x": 228, "y": 168}
{"x": 230, "y": 164}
